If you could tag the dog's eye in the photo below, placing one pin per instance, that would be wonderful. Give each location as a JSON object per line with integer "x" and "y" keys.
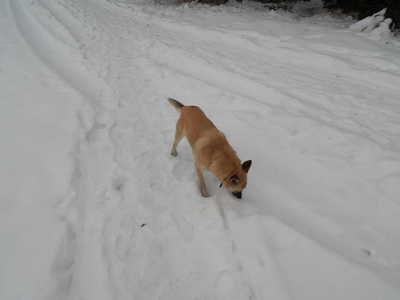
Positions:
{"x": 234, "y": 181}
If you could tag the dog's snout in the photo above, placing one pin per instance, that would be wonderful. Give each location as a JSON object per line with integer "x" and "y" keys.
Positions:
{"x": 237, "y": 194}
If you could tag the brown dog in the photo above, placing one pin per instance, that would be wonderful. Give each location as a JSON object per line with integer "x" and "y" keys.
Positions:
{"x": 211, "y": 150}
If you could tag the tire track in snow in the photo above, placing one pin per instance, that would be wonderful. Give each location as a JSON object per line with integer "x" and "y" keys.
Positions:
{"x": 43, "y": 131}
{"x": 56, "y": 46}
{"x": 57, "y": 52}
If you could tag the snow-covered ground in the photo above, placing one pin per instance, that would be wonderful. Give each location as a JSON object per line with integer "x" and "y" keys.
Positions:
{"x": 94, "y": 207}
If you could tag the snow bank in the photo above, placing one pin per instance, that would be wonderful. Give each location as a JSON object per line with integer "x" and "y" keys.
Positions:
{"x": 369, "y": 23}
{"x": 377, "y": 26}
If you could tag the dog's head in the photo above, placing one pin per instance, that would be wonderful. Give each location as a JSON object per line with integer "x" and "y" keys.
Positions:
{"x": 238, "y": 181}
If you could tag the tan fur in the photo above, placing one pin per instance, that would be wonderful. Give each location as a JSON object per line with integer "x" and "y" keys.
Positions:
{"x": 210, "y": 148}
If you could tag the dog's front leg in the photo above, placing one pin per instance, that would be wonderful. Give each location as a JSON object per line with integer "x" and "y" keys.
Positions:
{"x": 203, "y": 188}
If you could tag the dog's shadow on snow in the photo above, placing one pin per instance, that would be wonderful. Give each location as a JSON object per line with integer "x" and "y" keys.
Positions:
{"x": 184, "y": 171}
{"x": 183, "y": 166}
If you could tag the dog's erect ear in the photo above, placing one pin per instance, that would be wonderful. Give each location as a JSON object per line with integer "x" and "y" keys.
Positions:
{"x": 246, "y": 166}
{"x": 234, "y": 180}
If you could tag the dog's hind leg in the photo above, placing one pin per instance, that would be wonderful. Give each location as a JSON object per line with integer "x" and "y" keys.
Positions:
{"x": 202, "y": 183}
{"x": 179, "y": 134}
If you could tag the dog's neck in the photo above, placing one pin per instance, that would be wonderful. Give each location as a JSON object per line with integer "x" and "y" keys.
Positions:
{"x": 225, "y": 163}
{"x": 223, "y": 170}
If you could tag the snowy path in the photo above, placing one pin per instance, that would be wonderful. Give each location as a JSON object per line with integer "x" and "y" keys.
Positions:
{"x": 314, "y": 105}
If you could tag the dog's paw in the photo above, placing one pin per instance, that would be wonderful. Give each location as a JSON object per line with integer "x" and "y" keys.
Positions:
{"x": 205, "y": 193}
{"x": 174, "y": 153}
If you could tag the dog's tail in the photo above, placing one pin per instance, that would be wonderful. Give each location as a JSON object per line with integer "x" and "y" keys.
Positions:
{"x": 176, "y": 104}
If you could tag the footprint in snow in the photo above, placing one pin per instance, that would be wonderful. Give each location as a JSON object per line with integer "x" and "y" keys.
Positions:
{"x": 119, "y": 183}
{"x": 185, "y": 228}
{"x": 366, "y": 252}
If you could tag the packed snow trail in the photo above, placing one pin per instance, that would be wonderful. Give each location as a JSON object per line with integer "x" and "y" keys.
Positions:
{"x": 314, "y": 105}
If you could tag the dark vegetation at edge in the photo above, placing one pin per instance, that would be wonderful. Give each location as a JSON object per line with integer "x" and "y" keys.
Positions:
{"x": 356, "y": 8}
